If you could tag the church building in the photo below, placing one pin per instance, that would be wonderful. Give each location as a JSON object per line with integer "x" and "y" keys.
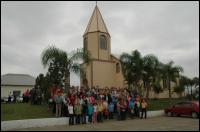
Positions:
{"x": 104, "y": 69}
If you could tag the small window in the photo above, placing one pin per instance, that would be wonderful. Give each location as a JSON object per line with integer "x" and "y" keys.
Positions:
{"x": 85, "y": 44}
{"x": 117, "y": 68}
{"x": 103, "y": 44}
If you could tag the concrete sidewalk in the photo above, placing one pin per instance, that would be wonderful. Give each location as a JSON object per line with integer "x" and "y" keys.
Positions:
{"x": 28, "y": 123}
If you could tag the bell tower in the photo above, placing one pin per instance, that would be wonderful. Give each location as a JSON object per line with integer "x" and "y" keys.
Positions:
{"x": 96, "y": 38}
{"x": 101, "y": 70}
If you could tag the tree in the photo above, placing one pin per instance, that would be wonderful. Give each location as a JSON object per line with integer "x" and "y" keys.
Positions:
{"x": 44, "y": 83}
{"x": 171, "y": 73}
{"x": 39, "y": 79}
{"x": 196, "y": 82}
{"x": 61, "y": 63}
{"x": 179, "y": 89}
{"x": 132, "y": 68}
{"x": 138, "y": 70}
{"x": 157, "y": 87}
{"x": 150, "y": 72}
{"x": 196, "y": 87}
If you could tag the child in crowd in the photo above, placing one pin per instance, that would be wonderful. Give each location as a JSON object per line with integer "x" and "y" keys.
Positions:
{"x": 90, "y": 112}
{"x": 131, "y": 107}
{"x": 105, "y": 109}
{"x": 95, "y": 113}
{"x": 71, "y": 114}
{"x": 111, "y": 110}
{"x": 118, "y": 110}
{"x": 100, "y": 112}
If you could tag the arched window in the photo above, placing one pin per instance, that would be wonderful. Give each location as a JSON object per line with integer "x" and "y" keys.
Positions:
{"x": 103, "y": 42}
{"x": 117, "y": 68}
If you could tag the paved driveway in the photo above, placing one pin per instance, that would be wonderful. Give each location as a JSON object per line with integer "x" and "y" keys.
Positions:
{"x": 151, "y": 124}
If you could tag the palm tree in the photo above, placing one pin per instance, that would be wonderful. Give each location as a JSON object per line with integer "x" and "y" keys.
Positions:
{"x": 67, "y": 61}
{"x": 171, "y": 73}
{"x": 132, "y": 68}
{"x": 196, "y": 86}
{"x": 179, "y": 89}
{"x": 196, "y": 82}
{"x": 157, "y": 88}
{"x": 185, "y": 81}
{"x": 150, "y": 72}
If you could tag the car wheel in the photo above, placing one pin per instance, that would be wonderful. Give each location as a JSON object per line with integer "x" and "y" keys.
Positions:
{"x": 169, "y": 114}
{"x": 194, "y": 115}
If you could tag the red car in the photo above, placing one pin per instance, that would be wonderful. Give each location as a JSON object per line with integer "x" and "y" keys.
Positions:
{"x": 189, "y": 108}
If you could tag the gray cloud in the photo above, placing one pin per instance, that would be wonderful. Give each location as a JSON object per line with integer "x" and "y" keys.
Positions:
{"x": 169, "y": 30}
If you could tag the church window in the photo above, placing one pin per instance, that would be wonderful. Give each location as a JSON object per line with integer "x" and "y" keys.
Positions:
{"x": 117, "y": 68}
{"x": 103, "y": 44}
{"x": 85, "y": 44}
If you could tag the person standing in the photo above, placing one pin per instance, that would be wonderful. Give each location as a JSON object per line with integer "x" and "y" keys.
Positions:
{"x": 144, "y": 110}
{"x": 58, "y": 101}
{"x": 123, "y": 109}
{"x": 71, "y": 114}
{"x": 111, "y": 110}
{"x": 95, "y": 113}
{"x": 137, "y": 107}
{"x": 78, "y": 112}
{"x": 90, "y": 112}
{"x": 131, "y": 107}
{"x": 118, "y": 110}
{"x": 84, "y": 112}
{"x": 9, "y": 98}
{"x": 105, "y": 109}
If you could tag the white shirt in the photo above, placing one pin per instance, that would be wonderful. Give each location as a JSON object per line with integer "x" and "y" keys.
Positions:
{"x": 95, "y": 108}
{"x": 105, "y": 104}
{"x": 70, "y": 109}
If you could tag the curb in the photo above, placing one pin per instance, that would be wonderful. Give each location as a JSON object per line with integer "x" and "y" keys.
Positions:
{"x": 43, "y": 122}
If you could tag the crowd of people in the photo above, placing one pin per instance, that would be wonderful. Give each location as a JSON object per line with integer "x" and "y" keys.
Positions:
{"x": 33, "y": 95}
{"x": 98, "y": 104}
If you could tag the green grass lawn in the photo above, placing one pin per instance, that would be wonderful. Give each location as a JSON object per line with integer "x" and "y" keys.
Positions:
{"x": 162, "y": 103}
{"x": 19, "y": 111}
{"x": 27, "y": 111}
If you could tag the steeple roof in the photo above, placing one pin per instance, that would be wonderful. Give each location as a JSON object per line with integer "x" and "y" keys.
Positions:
{"x": 96, "y": 22}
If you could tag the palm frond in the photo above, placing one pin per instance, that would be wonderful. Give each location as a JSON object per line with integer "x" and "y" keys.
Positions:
{"x": 76, "y": 68}
{"x": 80, "y": 55}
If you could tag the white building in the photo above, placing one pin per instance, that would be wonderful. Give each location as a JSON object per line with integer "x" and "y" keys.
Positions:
{"x": 16, "y": 83}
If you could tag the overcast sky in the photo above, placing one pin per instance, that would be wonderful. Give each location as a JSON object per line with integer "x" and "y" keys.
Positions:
{"x": 169, "y": 30}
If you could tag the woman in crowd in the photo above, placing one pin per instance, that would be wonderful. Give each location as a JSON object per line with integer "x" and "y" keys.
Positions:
{"x": 131, "y": 107}
{"x": 95, "y": 113}
{"x": 78, "y": 111}
{"x": 100, "y": 111}
{"x": 90, "y": 112}
{"x": 111, "y": 110}
{"x": 71, "y": 114}
{"x": 84, "y": 111}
